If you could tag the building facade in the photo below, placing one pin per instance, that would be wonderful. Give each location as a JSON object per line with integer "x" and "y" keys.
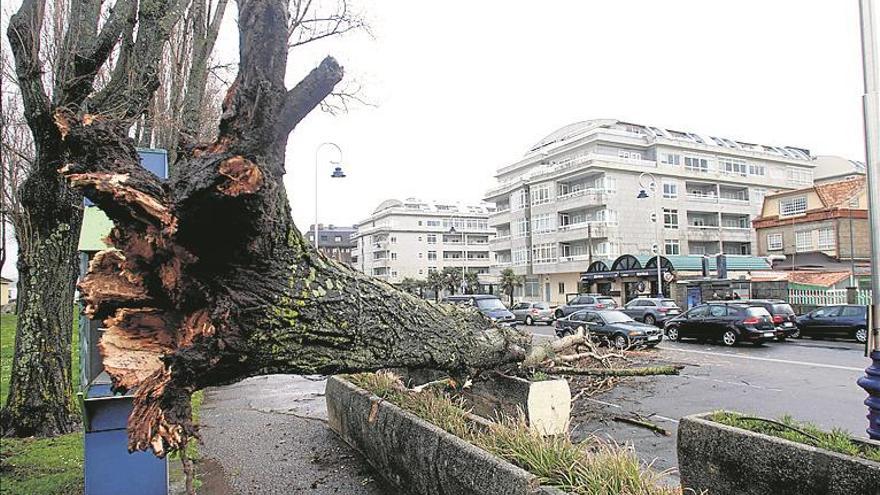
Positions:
{"x": 573, "y": 200}
{"x": 830, "y": 219}
{"x": 409, "y": 239}
{"x": 334, "y": 241}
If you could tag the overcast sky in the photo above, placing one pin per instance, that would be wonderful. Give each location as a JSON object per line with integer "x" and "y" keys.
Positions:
{"x": 463, "y": 87}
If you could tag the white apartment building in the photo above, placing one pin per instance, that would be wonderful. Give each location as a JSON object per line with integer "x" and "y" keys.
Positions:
{"x": 572, "y": 199}
{"x": 411, "y": 238}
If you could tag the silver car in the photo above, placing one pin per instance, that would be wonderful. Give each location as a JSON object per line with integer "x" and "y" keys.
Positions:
{"x": 533, "y": 312}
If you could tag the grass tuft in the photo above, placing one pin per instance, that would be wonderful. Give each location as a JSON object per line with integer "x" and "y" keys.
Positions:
{"x": 836, "y": 440}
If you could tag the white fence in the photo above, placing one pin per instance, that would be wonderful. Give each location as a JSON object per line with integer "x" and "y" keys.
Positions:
{"x": 825, "y": 297}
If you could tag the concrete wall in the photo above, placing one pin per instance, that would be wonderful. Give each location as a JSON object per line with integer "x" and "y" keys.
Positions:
{"x": 417, "y": 456}
{"x": 730, "y": 461}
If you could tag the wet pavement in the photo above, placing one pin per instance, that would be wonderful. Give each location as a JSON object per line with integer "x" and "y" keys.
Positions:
{"x": 812, "y": 380}
{"x": 269, "y": 435}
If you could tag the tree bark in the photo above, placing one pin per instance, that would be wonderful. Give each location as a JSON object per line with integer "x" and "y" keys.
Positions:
{"x": 40, "y": 394}
{"x": 211, "y": 282}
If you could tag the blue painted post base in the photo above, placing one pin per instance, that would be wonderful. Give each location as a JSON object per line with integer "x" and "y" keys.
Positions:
{"x": 871, "y": 383}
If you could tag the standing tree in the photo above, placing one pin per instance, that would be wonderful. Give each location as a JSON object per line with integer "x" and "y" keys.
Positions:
{"x": 435, "y": 283}
{"x": 509, "y": 282}
{"x": 452, "y": 279}
{"x": 211, "y": 282}
{"x": 471, "y": 282}
{"x": 103, "y": 62}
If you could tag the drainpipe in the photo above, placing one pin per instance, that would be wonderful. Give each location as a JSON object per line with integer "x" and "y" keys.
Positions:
{"x": 871, "y": 381}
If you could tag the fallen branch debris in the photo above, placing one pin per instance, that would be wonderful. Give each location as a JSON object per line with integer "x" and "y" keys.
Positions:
{"x": 645, "y": 371}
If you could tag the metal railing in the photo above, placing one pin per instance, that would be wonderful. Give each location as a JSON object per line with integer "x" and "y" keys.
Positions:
{"x": 826, "y": 297}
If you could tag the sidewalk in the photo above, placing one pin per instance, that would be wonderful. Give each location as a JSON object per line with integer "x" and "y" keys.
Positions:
{"x": 268, "y": 435}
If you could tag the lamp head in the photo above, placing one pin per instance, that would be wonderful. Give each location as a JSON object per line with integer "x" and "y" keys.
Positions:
{"x": 642, "y": 194}
{"x": 337, "y": 173}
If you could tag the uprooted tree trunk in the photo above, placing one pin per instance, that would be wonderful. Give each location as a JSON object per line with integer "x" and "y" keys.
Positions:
{"x": 211, "y": 282}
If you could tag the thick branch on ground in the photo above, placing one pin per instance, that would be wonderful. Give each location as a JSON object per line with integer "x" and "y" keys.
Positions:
{"x": 653, "y": 370}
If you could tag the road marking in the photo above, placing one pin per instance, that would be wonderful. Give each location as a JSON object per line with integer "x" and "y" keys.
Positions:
{"x": 772, "y": 360}
{"x": 741, "y": 384}
{"x": 661, "y": 418}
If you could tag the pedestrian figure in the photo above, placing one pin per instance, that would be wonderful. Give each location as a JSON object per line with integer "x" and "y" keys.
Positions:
{"x": 736, "y": 295}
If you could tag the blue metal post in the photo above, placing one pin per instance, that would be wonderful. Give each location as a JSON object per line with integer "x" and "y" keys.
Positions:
{"x": 871, "y": 383}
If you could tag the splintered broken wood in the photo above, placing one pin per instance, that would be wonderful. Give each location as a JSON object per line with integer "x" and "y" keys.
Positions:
{"x": 546, "y": 405}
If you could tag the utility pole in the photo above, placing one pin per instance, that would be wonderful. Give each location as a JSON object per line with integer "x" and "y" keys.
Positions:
{"x": 871, "y": 381}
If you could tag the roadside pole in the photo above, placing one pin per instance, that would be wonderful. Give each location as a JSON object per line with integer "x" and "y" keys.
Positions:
{"x": 871, "y": 381}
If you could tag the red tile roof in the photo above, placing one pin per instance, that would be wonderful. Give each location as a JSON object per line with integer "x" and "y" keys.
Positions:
{"x": 836, "y": 194}
{"x": 822, "y": 279}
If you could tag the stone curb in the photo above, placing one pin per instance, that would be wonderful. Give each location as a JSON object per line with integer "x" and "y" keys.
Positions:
{"x": 417, "y": 456}
{"x": 728, "y": 460}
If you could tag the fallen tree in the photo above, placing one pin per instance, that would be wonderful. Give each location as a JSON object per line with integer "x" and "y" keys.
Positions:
{"x": 210, "y": 281}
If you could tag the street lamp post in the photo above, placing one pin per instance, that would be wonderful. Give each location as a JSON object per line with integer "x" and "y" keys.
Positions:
{"x": 871, "y": 381}
{"x": 337, "y": 174}
{"x": 657, "y": 218}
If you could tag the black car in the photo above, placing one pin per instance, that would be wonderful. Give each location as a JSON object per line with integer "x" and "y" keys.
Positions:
{"x": 727, "y": 322}
{"x": 585, "y": 301}
{"x": 488, "y": 304}
{"x": 611, "y": 326}
{"x": 845, "y": 320}
{"x": 782, "y": 314}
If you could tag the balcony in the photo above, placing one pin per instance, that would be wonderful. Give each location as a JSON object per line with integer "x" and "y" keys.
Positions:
{"x": 703, "y": 232}
{"x": 736, "y": 234}
{"x": 584, "y": 230}
{"x": 581, "y": 198}
{"x": 499, "y": 218}
{"x": 702, "y": 198}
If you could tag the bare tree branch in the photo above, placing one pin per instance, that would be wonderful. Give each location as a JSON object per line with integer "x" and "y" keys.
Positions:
{"x": 308, "y": 94}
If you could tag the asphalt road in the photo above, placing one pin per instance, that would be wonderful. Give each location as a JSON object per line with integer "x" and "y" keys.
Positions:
{"x": 812, "y": 380}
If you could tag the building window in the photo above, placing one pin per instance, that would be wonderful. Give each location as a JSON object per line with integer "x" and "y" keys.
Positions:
{"x": 518, "y": 200}
{"x": 394, "y": 256}
{"x": 672, "y": 247}
{"x": 629, "y": 155}
{"x": 670, "y": 218}
{"x": 540, "y": 194}
{"x": 432, "y": 238}
{"x": 432, "y": 268}
{"x": 732, "y": 167}
{"x": 544, "y": 253}
{"x": 670, "y": 190}
{"x": 432, "y": 255}
{"x": 562, "y": 287}
{"x": 758, "y": 170}
{"x": 521, "y": 228}
{"x": 420, "y": 255}
{"x": 792, "y": 206}
{"x": 670, "y": 159}
{"x": 696, "y": 164}
{"x": 800, "y": 176}
{"x": 420, "y": 223}
{"x": 803, "y": 241}
{"x": 532, "y": 287}
{"x": 433, "y": 223}
{"x": 774, "y": 242}
{"x": 420, "y": 271}
{"x": 520, "y": 256}
{"x": 541, "y": 224}
{"x": 826, "y": 238}
{"x": 393, "y": 240}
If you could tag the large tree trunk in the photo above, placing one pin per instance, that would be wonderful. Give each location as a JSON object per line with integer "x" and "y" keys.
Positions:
{"x": 211, "y": 281}
{"x": 40, "y": 400}
{"x": 40, "y": 394}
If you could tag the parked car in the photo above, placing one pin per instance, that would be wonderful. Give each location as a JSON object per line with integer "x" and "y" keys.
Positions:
{"x": 727, "y": 322}
{"x": 488, "y": 304}
{"x": 532, "y": 312}
{"x": 585, "y": 301}
{"x": 782, "y": 314}
{"x": 845, "y": 320}
{"x": 652, "y": 310}
{"x": 612, "y": 326}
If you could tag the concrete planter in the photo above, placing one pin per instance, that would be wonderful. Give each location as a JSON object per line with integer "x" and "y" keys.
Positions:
{"x": 417, "y": 456}
{"x": 726, "y": 460}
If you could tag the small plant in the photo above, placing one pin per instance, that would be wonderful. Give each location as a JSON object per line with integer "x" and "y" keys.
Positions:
{"x": 540, "y": 376}
{"x": 836, "y": 440}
